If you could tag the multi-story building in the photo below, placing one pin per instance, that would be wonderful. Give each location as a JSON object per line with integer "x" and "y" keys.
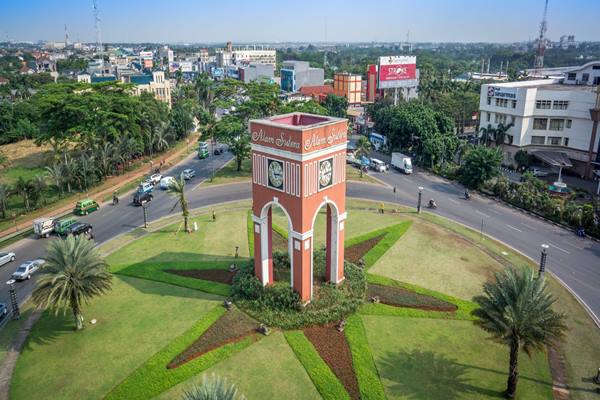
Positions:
{"x": 232, "y": 56}
{"x": 349, "y": 86}
{"x": 549, "y": 116}
{"x": 155, "y": 84}
{"x": 256, "y": 72}
{"x": 296, "y": 74}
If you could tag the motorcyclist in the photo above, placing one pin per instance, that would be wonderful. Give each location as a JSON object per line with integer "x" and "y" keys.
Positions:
{"x": 115, "y": 199}
{"x": 432, "y": 203}
{"x": 467, "y": 194}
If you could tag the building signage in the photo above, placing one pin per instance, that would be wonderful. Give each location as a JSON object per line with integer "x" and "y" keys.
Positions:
{"x": 502, "y": 92}
{"x": 287, "y": 142}
{"x": 318, "y": 140}
{"x": 280, "y": 141}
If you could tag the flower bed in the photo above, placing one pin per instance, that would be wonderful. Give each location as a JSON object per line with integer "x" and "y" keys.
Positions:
{"x": 357, "y": 251}
{"x": 212, "y": 274}
{"x": 400, "y": 297}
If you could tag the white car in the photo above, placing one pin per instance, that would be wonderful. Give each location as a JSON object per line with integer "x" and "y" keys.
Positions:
{"x": 188, "y": 174}
{"x": 6, "y": 257}
{"x": 27, "y": 269}
{"x": 155, "y": 178}
{"x": 166, "y": 182}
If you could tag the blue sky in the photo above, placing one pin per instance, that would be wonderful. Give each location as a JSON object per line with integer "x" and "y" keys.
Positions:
{"x": 303, "y": 20}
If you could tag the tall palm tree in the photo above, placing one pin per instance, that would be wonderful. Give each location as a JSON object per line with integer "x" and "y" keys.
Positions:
{"x": 104, "y": 155}
{"x": 487, "y": 134}
{"x": 500, "y": 133}
{"x": 363, "y": 148}
{"x": 73, "y": 274}
{"x": 4, "y": 193}
{"x": 161, "y": 136}
{"x": 55, "y": 173}
{"x": 38, "y": 184}
{"x": 177, "y": 189}
{"x": 213, "y": 388}
{"x": 517, "y": 310}
{"x": 24, "y": 188}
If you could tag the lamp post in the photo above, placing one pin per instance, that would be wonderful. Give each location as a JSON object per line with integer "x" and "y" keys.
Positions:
{"x": 145, "y": 215}
{"x": 419, "y": 201}
{"x": 543, "y": 260}
{"x": 13, "y": 300}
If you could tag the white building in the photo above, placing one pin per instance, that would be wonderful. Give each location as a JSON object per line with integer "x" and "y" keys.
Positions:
{"x": 159, "y": 86}
{"x": 231, "y": 56}
{"x": 550, "y": 116}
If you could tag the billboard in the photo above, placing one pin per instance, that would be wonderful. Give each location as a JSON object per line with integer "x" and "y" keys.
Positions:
{"x": 397, "y": 71}
{"x": 502, "y": 92}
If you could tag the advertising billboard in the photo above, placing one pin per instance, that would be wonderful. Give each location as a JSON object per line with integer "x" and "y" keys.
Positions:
{"x": 397, "y": 71}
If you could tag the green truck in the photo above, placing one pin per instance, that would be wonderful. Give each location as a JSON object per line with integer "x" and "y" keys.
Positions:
{"x": 61, "y": 227}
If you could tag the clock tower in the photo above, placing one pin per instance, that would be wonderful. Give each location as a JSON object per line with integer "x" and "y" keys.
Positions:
{"x": 299, "y": 165}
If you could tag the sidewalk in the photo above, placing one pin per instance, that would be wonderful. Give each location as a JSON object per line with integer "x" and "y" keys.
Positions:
{"x": 112, "y": 184}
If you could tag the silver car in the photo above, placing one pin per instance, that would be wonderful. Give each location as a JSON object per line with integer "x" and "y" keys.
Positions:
{"x": 27, "y": 269}
{"x": 188, "y": 174}
{"x": 6, "y": 257}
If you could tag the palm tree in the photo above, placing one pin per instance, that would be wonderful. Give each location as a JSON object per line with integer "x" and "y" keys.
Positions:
{"x": 23, "y": 187}
{"x": 487, "y": 134}
{"x": 160, "y": 140}
{"x": 4, "y": 193}
{"x": 73, "y": 274}
{"x": 38, "y": 185}
{"x": 177, "y": 188}
{"x": 104, "y": 155}
{"x": 501, "y": 131}
{"x": 517, "y": 310}
{"x": 55, "y": 173}
{"x": 363, "y": 148}
{"x": 213, "y": 388}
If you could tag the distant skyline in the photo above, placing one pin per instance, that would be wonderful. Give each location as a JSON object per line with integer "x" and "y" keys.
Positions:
{"x": 189, "y": 21}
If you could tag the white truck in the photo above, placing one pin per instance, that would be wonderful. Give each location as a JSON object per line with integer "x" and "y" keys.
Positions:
{"x": 43, "y": 227}
{"x": 402, "y": 163}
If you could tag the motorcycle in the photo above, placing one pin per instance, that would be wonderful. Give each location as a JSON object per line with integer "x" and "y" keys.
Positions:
{"x": 467, "y": 195}
{"x": 115, "y": 200}
{"x": 432, "y": 204}
{"x": 580, "y": 232}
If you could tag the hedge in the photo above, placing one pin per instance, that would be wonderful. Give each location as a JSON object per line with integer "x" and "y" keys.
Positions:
{"x": 321, "y": 375}
{"x": 153, "y": 378}
{"x": 465, "y": 308}
{"x": 391, "y": 234}
{"x": 368, "y": 378}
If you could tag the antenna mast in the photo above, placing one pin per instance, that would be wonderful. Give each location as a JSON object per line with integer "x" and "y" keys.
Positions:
{"x": 99, "y": 46}
{"x": 539, "y": 58}
{"x": 66, "y": 36}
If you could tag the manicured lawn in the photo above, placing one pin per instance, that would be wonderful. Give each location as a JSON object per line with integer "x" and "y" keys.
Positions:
{"x": 445, "y": 359}
{"x": 435, "y": 258}
{"x": 11, "y": 174}
{"x": 230, "y": 174}
{"x": 10, "y": 329}
{"x": 353, "y": 174}
{"x": 266, "y": 370}
{"x": 135, "y": 320}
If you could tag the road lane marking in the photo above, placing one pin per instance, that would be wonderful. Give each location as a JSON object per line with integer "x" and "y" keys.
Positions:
{"x": 198, "y": 185}
{"x": 452, "y": 200}
{"x": 512, "y": 227}
{"x": 528, "y": 226}
{"x": 496, "y": 212}
{"x": 558, "y": 248}
{"x": 572, "y": 245}
{"x": 480, "y": 213}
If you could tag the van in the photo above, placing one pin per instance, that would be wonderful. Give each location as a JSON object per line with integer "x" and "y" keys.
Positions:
{"x": 145, "y": 187}
{"x": 202, "y": 153}
{"x": 61, "y": 226}
{"x": 84, "y": 207}
{"x": 377, "y": 165}
{"x": 166, "y": 182}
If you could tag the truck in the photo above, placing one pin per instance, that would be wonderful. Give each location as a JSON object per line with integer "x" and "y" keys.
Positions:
{"x": 43, "y": 227}
{"x": 61, "y": 227}
{"x": 402, "y": 163}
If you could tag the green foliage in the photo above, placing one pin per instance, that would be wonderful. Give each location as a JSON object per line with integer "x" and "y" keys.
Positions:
{"x": 321, "y": 375}
{"x": 368, "y": 378}
{"x": 72, "y": 63}
{"x": 73, "y": 274}
{"x": 391, "y": 236}
{"x": 281, "y": 259}
{"x": 177, "y": 190}
{"x": 310, "y": 106}
{"x": 480, "y": 165}
{"x": 336, "y": 106}
{"x": 213, "y": 388}
{"x": 523, "y": 159}
{"x": 153, "y": 378}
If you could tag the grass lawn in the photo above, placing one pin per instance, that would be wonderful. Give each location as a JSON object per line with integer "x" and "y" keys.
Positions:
{"x": 438, "y": 259}
{"x": 270, "y": 360}
{"x": 11, "y": 328}
{"x": 135, "y": 320}
{"x": 446, "y": 359}
{"x": 230, "y": 174}
{"x": 353, "y": 174}
{"x": 11, "y": 174}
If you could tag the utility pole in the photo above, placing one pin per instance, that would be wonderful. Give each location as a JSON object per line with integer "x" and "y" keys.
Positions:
{"x": 145, "y": 215}
{"x": 539, "y": 57}
{"x": 543, "y": 261}
{"x": 419, "y": 200}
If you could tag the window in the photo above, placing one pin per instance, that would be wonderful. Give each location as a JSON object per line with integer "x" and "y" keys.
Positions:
{"x": 538, "y": 140}
{"x": 585, "y": 77}
{"x": 569, "y": 122}
{"x": 502, "y": 102}
{"x": 543, "y": 104}
{"x": 554, "y": 140}
{"x": 557, "y": 124}
{"x": 571, "y": 76}
{"x": 560, "y": 104}
{"x": 489, "y": 100}
{"x": 488, "y": 117}
{"x": 496, "y": 118}
{"x": 512, "y": 119}
{"x": 509, "y": 139}
{"x": 566, "y": 141}
{"x": 514, "y": 103}
{"x": 540, "y": 123}
{"x": 597, "y": 80}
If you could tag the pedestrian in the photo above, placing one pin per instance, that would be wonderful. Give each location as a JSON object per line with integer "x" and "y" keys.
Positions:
{"x": 214, "y": 216}
{"x": 394, "y": 189}
{"x": 381, "y": 208}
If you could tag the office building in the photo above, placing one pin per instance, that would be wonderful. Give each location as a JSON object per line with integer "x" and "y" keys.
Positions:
{"x": 155, "y": 84}
{"x": 238, "y": 56}
{"x": 349, "y": 86}
{"x": 296, "y": 74}
{"x": 256, "y": 72}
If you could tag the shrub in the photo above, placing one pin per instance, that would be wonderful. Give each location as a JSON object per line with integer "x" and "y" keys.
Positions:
{"x": 280, "y": 296}
{"x": 245, "y": 285}
{"x": 281, "y": 260}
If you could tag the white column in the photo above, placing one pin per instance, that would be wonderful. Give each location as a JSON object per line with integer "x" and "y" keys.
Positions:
{"x": 335, "y": 230}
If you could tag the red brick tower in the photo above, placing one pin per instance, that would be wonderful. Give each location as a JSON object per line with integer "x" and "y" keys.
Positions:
{"x": 299, "y": 164}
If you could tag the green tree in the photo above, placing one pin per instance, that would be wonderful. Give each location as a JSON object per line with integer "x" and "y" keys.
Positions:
{"x": 501, "y": 133}
{"x": 177, "y": 189}
{"x": 4, "y": 193}
{"x": 516, "y": 309}
{"x": 232, "y": 131}
{"x": 480, "y": 165}
{"x": 337, "y": 106}
{"x": 363, "y": 148}
{"x": 213, "y": 388}
{"x": 73, "y": 274}
{"x": 24, "y": 188}
{"x": 487, "y": 134}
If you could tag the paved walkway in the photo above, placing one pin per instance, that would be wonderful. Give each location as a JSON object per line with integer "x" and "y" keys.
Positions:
{"x": 8, "y": 366}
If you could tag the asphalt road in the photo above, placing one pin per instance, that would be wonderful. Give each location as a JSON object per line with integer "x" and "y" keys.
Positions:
{"x": 574, "y": 260}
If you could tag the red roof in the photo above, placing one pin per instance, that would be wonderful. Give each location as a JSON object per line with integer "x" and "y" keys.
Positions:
{"x": 316, "y": 90}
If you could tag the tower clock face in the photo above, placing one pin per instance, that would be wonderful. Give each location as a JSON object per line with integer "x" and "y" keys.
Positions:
{"x": 276, "y": 174}
{"x": 325, "y": 173}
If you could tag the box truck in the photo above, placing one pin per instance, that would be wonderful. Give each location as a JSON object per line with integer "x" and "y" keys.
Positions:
{"x": 402, "y": 163}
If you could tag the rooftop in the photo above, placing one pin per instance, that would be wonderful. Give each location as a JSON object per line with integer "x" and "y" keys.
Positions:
{"x": 299, "y": 121}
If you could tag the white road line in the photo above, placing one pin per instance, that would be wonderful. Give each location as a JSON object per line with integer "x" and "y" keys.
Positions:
{"x": 452, "y": 200}
{"x": 516, "y": 229}
{"x": 572, "y": 245}
{"x": 198, "y": 185}
{"x": 495, "y": 211}
{"x": 558, "y": 248}
{"x": 528, "y": 226}
{"x": 480, "y": 213}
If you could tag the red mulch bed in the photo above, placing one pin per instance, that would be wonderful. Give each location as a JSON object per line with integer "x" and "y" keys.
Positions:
{"x": 233, "y": 326}
{"x": 399, "y": 297}
{"x": 212, "y": 274}
{"x": 333, "y": 348}
{"x": 355, "y": 252}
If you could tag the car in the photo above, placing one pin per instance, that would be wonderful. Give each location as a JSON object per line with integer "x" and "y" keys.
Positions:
{"x": 3, "y": 311}
{"x": 145, "y": 187}
{"x": 78, "y": 228}
{"x": 188, "y": 174}
{"x": 539, "y": 172}
{"x": 166, "y": 182}
{"x": 27, "y": 269}
{"x": 6, "y": 257}
{"x": 139, "y": 199}
{"x": 218, "y": 150}
{"x": 154, "y": 178}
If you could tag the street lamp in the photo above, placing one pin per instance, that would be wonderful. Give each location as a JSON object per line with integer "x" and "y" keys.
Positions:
{"x": 13, "y": 300}
{"x": 543, "y": 260}
{"x": 145, "y": 215}
{"x": 419, "y": 201}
